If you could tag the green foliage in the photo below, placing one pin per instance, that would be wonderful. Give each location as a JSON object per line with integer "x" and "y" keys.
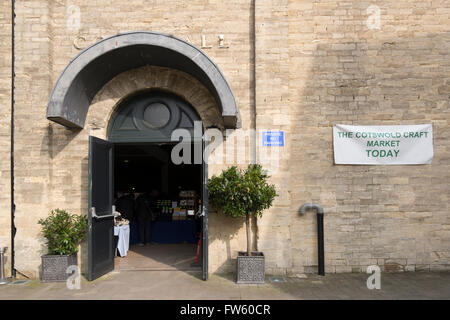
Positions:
{"x": 63, "y": 231}
{"x": 239, "y": 193}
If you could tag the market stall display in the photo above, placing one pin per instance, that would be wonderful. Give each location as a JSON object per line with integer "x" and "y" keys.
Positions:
{"x": 123, "y": 239}
{"x": 175, "y": 221}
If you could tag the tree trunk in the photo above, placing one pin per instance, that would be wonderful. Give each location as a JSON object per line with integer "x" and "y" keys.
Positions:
{"x": 247, "y": 227}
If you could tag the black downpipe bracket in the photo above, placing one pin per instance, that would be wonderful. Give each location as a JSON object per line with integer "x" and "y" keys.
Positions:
{"x": 320, "y": 237}
{"x": 13, "y": 75}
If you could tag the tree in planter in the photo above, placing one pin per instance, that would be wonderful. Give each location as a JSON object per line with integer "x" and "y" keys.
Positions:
{"x": 63, "y": 231}
{"x": 242, "y": 194}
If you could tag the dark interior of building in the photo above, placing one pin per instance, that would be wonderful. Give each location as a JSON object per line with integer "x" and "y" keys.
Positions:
{"x": 143, "y": 167}
{"x": 140, "y": 168}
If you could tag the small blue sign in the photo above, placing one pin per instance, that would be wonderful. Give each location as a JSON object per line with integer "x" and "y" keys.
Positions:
{"x": 273, "y": 138}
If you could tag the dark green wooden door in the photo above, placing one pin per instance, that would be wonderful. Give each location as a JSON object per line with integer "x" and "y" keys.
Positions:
{"x": 204, "y": 216}
{"x": 100, "y": 216}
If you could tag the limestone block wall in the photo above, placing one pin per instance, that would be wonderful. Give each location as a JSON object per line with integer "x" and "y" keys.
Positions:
{"x": 5, "y": 137}
{"x": 33, "y": 150}
{"x": 273, "y": 113}
{"x": 316, "y": 63}
{"x": 51, "y": 168}
{"x": 342, "y": 70}
{"x": 394, "y": 216}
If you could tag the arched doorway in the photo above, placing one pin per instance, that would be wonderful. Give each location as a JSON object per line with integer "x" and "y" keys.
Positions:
{"x": 87, "y": 74}
{"x": 138, "y": 157}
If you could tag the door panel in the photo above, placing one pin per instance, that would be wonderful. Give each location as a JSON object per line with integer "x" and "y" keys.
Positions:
{"x": 100, "y": 216}
{"x": 204, "y": 244}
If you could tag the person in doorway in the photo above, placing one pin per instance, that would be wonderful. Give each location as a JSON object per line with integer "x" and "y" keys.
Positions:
{"x": 154, "y": 197}
{"x": 125, "y": 205}
{"x": 144, "y": 215}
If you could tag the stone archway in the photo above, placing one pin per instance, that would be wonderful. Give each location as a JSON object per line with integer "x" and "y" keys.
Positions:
{"x": 95, "y": 66}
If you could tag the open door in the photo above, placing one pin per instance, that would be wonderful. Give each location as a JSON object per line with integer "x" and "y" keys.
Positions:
{"x": 204, "y": 244}
{"x": 100, "y": 216}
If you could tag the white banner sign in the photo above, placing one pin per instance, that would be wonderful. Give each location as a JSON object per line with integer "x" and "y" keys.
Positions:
{"x": 383, "y": 145}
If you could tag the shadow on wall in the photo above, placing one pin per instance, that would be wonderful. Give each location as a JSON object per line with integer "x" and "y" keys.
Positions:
{"x": 84, "y": 192}
{"x": 370, "y": 82}
{"x": 84, "y": 188}
{"x": 56, "y": 139}
{"x": 83, "y": 259}
{"x": 226, "y": 238}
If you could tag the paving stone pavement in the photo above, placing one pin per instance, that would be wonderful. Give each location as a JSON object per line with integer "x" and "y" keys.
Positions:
{"x": 183, "y": 285}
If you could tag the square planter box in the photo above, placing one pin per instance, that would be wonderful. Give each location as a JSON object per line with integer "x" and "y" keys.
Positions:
{"x": 54, "y": 267}
{"x": 250, "y": 269}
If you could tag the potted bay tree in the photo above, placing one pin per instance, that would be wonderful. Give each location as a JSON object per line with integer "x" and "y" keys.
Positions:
{"x": 64, "y": 233}
{"x": 244, "y": 193}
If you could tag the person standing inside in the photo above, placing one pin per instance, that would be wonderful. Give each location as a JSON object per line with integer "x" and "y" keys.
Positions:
{"x": 154, "y": 197}
{"x": 125, "y": 205}
{"x": 144, "y": 217}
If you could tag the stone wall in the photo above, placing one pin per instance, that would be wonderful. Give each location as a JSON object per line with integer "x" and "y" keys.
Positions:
{"x": 342, "y": 71}
{"x": 394, "y": 216}
{"x": 273, "y": 109}
{"x": 316, "y": 64}
{"x": 32, "y": 145}
{"x": 51, "y": 161}
{"x": 5, "y": 133}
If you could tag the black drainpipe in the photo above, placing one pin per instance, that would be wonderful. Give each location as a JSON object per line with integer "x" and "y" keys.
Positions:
{"x": 320, "y": 242}
{"x": 13, "y": 206}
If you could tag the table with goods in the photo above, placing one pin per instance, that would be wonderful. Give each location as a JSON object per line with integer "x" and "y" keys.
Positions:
{"x": 176, "y": 221}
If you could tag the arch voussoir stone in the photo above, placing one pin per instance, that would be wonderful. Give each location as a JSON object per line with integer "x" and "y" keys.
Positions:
{"x": 108, "y": 98}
